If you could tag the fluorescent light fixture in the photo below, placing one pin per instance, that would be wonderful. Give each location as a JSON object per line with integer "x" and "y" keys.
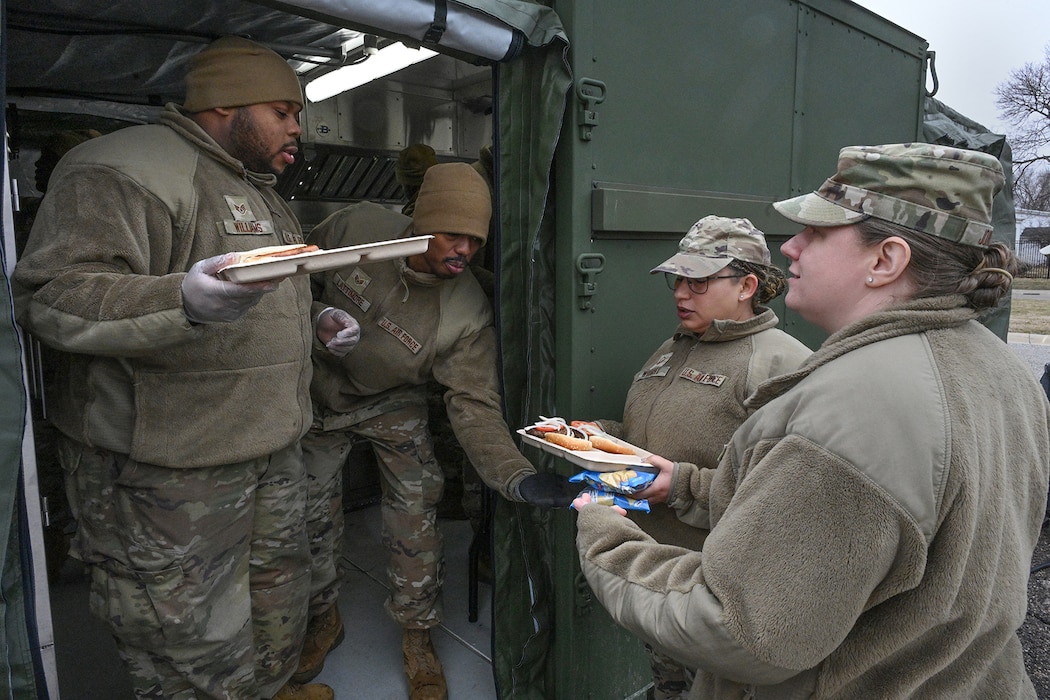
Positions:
{"x": 387, "y": 60}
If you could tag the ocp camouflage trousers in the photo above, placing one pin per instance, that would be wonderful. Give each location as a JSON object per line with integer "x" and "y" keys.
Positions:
{"x": 671, "y": 680}
{"x": 200, "y": 574}
{"x": 412, "y": 483}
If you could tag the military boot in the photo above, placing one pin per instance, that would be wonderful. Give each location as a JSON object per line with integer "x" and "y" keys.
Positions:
{"x": 323, "y": 633}
{"x": 313, "y": 691}
{"x": 426, "y": 681}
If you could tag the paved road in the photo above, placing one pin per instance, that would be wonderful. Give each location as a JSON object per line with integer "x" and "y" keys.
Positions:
{"x": 1033, "y": 294}
{"x": 1035, "y": 632}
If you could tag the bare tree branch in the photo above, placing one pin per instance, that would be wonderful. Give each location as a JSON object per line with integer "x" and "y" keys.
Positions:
{"x": 1024, "y": 103}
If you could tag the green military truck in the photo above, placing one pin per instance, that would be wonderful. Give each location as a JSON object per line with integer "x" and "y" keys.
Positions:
{"x": 615, "y": 125}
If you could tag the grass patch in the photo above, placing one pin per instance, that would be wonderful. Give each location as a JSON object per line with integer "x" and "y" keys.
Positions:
{"x": 1030, "y": 316}
{"x": 1031, "y": 283}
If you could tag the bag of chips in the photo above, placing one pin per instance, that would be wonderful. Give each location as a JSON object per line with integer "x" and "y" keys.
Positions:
{"x": 608, "y": 498}
{"x": 625, "y": 481}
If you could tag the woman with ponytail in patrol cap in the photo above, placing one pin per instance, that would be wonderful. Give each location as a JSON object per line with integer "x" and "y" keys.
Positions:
{"x": 873, "y": 523}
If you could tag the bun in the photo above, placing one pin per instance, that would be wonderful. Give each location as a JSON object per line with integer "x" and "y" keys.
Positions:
{"x": 271, "y": 252}
{"x": 607, "y": 445}
{"x": 569, "y": 442}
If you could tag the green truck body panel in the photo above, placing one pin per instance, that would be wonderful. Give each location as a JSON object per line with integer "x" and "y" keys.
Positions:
{"x": 698, "y": 108}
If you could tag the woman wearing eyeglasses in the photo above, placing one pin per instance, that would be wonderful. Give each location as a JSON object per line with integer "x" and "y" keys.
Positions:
{"x": 688, "y": 398}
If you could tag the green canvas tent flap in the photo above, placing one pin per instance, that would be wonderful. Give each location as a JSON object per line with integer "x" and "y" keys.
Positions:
{"x": 943, "y": 125}
{"x": 17, "y": 667}
{"x": 531, "y": 101}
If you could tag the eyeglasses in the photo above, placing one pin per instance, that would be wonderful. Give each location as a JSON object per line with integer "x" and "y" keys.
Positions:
{"x": 696, "y": 286}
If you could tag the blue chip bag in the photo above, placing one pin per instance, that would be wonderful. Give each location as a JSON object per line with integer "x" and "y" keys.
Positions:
{"x": 625, "y": 481}
{"x": 608, "y": 498}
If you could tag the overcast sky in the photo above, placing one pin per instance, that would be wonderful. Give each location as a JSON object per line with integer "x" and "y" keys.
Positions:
{"x": 977, "y": 42}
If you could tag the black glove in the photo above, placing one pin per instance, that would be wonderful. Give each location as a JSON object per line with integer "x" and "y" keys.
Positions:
{"x": 548, "y": 490}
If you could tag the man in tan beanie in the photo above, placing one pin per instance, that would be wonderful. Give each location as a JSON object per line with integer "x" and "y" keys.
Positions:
{"x": 423, "y": 317}
{"x": 185, "y": 395}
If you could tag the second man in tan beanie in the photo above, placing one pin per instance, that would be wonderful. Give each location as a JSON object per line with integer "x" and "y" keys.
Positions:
{"x": 423, "y": 318}
{"x": 453, "y": 198}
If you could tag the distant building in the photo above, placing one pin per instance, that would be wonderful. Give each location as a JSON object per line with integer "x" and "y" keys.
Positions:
{"x": 1033, "y": 237}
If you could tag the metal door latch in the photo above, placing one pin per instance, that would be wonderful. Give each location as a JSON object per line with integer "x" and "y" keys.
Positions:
{"x": 590, "y": 92}
{"x": 588, "y": 265}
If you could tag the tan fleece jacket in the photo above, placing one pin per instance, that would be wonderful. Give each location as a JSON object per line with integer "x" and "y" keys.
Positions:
{"x": 414, "y": 326}
{"x": 703, "y": 379}
{"x": 872, "y": 525}
{"x": 125, "y": 217}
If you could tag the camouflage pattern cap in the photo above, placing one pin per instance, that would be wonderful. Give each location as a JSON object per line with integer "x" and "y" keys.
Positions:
{"x": 712, "y": 243}
{"x": 939, "y": 190}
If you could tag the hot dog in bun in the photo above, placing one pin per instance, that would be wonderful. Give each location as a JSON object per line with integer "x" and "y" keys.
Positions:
{"x": 273, "y": 251}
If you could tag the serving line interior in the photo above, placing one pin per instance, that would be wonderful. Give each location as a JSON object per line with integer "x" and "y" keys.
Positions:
{"x": 367, "y": 665}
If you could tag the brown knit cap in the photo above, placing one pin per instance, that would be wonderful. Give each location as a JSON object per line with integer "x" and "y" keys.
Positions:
{"x": 234, "y": 72}
{"x": 453, "y": 198}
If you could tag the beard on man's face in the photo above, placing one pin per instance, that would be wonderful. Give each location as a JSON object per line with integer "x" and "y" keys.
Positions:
{"x": 246, "y": 145}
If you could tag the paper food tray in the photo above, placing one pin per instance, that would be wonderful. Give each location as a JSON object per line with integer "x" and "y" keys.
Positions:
{"x": 321, "y": 260}
{"x": 594, "y": 460}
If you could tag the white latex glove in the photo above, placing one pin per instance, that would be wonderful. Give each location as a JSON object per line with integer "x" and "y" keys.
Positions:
{"x": 338, "y": 330}
{"x": 208, "y": 299}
